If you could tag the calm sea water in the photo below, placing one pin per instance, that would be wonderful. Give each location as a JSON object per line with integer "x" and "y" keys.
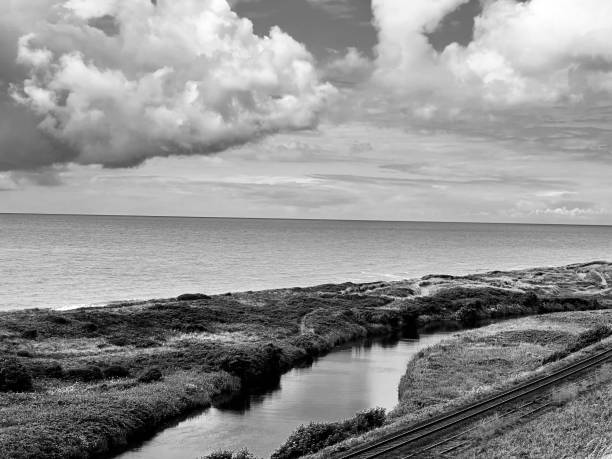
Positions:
{"x": 65, "y": 261}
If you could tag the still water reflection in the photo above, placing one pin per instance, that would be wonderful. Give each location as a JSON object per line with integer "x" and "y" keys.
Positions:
{"x": 336, "y": 386}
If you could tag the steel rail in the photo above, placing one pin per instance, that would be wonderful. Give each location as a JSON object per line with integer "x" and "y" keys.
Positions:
{"x": 443, "y": 422}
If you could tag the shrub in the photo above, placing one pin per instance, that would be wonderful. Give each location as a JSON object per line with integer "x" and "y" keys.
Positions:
{"x": 30, "y": 334}
{"x": 14, "y": 377}
{"x": 144, "y": 343}
{"x": 59, "y": 319}
{"x": 531, "y": 301}
{"x": 116, "y": 371}
{"x": 470, "y": 314}
{"x": 220, "y": 455}
{"x": 591, "y": 336}
{"x": 86, "y": 374}
{"x": 192, "y": 297}
{"x": 118, "y": 341}
{"x": 315, "y": 436}
{"x": 150, "y": 375}
{"x": 584, "y": 339}
{"x": 242, "y": 454}
{"x": 558, "y": 355}
{"x": 53, "y": 370}
{"x": 89, "y": 327}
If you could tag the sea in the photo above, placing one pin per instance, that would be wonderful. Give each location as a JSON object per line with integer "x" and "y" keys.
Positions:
{"x": 67, "y": 261}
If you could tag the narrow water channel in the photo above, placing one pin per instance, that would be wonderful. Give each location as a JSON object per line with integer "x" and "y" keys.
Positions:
{"x": 349, "y": 379}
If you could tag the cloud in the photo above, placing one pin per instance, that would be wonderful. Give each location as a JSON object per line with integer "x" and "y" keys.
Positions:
{"x": 114, "y": 83}
{"x": 352, "y": 67}
{"x": 541, "y": 52}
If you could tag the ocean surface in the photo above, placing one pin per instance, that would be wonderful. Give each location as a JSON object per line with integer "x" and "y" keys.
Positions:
{"x": 62, "y": 261}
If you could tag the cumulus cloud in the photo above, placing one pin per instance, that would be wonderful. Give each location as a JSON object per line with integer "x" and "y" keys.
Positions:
{"x": 540, "y": 52}
{"x": 352, "y": 67}
{"x": 114, "y": 82}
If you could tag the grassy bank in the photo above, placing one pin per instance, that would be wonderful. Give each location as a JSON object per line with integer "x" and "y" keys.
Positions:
{"x": 577, "y": 426}
{"x": 476, "y": 363}
{"x": 87, "y": 382}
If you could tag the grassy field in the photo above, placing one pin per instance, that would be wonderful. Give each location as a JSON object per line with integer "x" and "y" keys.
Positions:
{"x": 578, "y": 426}
{"x": 475, "y": 363}
{"x": 478, "y": 361}
{"x": 87, "y": 382}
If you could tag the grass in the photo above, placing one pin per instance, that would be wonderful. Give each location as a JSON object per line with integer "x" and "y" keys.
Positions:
{"x": 578, "y": 426}
{"x": 310, "y": 438}
{"x": 60, "y": 421}
{"x": 94, "y": 380}
{"x": 474, "y": 364}
{"x": 104, "y": 377}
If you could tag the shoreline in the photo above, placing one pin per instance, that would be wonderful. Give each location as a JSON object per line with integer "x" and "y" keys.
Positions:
{"x": 203, "y": 345}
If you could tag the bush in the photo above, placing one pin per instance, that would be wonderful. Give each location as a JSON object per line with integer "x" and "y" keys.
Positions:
{"x": 116, "y": 371}
{"x": 30, "y": 334}
{"x": 470, "y": 314}
{"x": 86, "y": 374}
{"x": 531, "y": 301}
{"x": 591, "y": 336}
{"x": 150, "y": 375}
{"x": 220, "y": 455}
{"x": 584, "y": 339}
{"x": 242, "y": 454}
{"x": 89, "y": 327}
{"x": 192, "y": 297}
{"x": 558, "y": 355}
{"x": 53, "y": 370}
{"x": 315, "y": 436}
{"x": 14, "y": 377}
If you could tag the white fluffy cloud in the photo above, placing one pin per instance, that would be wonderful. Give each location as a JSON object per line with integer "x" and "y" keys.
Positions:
{"x": 119, "y": 82}
{"x": 538, "y": 52}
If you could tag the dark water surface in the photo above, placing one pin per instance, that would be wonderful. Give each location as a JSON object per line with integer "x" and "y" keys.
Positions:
{"x": 336, "y": 386}
{"x": 64, "y": 261}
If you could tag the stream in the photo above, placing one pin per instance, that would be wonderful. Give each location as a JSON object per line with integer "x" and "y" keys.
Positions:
{"x": 354, "y": 377}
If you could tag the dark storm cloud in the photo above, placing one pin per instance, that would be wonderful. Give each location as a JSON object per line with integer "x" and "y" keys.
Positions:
{"x": 23, "y": 145}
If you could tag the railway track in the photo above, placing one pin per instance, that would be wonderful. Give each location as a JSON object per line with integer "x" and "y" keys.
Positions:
{"x": 402, "y": 444}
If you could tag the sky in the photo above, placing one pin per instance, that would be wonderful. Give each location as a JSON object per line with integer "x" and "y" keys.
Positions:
{"x": 443, "y": 110}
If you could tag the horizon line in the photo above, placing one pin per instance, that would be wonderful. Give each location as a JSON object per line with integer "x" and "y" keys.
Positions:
{"x": 299, "y": 219}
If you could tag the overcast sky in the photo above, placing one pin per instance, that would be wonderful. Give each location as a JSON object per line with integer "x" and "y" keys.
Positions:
{"x": 448, "y": 110}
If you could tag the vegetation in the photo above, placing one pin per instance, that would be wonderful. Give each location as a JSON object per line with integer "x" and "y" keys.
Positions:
{"x": 478, "y": 361}
{"x": 584, "y": 339}
{"x": 577, "y": 425}
{"x": 310, "y": 438}
{"x": 242, "y": 454}
{"x": 14, "y": 377}
{"x": 87, "y": 382}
